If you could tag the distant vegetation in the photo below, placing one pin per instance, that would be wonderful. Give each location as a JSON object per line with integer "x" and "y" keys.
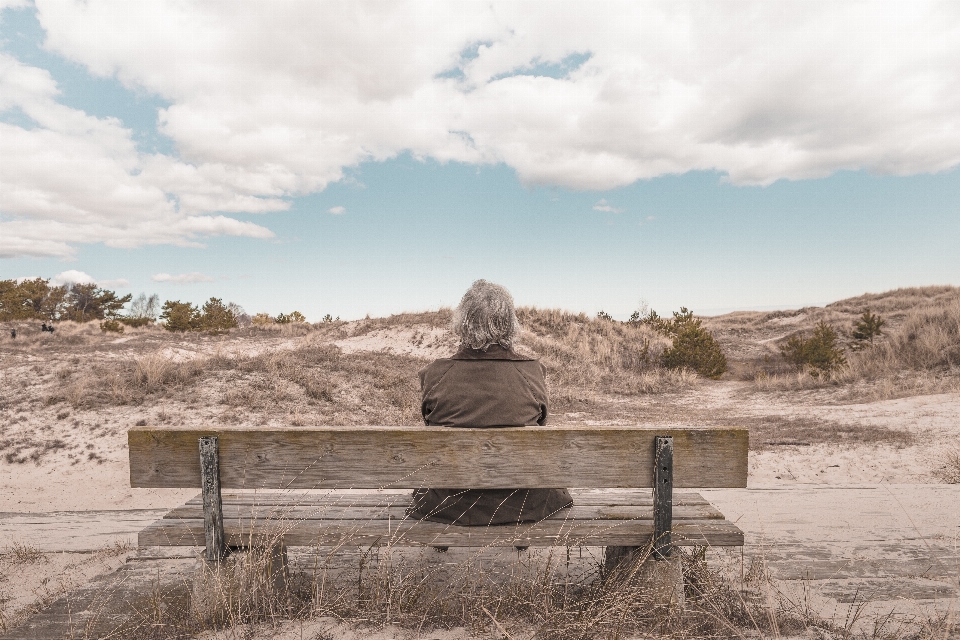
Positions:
{"x": 37, "y": 299}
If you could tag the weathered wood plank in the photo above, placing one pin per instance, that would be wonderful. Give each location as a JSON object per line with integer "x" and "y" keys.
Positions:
{"x": 411, "y": 457}
{"x": 581, "y": 497}
{"x": 369, "y": 532}
{"x": 662, "y": 497}
{"x": 397, "y": 512}
{"x": 212, "y": 502}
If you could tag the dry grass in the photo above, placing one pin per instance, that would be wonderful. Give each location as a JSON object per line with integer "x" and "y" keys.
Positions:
{"x": 596, "y": 354}
{"x": 948, "y": 469}
{"x": 526, "y": 595}
{"x": 22, "y": 553}
{"x": 920, "y": 356}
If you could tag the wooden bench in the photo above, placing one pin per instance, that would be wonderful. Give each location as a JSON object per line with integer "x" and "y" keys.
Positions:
{"x": 355, "y": 469}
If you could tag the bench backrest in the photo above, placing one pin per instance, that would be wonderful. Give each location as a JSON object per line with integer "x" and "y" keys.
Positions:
{"x": 412, "y": 457}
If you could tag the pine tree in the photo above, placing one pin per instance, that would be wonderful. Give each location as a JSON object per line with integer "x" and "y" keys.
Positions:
{"x": 867, "y": 328}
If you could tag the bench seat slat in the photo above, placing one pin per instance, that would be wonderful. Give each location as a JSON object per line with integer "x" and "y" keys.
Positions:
{"x": 410, "y": 457}
{"x": 581, "y": 497}
{"x": 189, "y": 532}
{"x": 397, "y": 512}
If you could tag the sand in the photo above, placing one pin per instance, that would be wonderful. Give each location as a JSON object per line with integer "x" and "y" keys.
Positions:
{"x": 90, "y": 472}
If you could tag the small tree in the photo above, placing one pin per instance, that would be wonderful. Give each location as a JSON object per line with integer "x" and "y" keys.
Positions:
{"x": 693, "y": 346}
{"x": 180, "y": 316}
{"x": 867, "y": 328}
{"x": 820, "y": 351}
{"x": 216, "y": 316}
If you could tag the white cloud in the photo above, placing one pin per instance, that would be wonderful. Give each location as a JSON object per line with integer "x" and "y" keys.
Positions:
{"x": 183, "y": 278}
{"x": 71, "y": 276}
{"x": 605, "y": 206}
{"x": 275, "y": 100}
{"x": 338, "y": 210}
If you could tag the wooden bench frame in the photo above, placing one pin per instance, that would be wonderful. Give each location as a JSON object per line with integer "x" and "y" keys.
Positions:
{"x": 351, "y": 458}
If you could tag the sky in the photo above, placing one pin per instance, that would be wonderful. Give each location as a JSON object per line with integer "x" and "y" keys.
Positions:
{"x": 354, "y": 158}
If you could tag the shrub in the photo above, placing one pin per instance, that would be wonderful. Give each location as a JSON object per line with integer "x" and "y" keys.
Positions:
{"x": 112, "y": 326}
{"x": 180, "y": 316}
{"x": 329, "y": 318}
{"x": 867, "y": 328}
{"x": 693, "y": 346}
{"x": 216, "y": 317}
{"x": 294, "y": 317}
{"x": 820, "y": 351}
{"x": 603, "y": 315}
{"x": 135, "y": 322}
{"x": 262, "y": 319}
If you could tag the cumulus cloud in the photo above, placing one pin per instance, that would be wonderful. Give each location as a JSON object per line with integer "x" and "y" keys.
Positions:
{"x": 277, "y": 99}
{"x": 605, "y": 206}
{"x": 338, "y": 210}
{"x": 71, "y": 276}
{"x": 183, "y": 278}
{"x": 74, "y": 178}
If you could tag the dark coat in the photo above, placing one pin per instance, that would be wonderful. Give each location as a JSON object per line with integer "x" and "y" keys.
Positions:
{"x": 492, "y": 388}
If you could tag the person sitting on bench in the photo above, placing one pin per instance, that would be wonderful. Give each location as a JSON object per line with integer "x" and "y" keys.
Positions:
{"x": 485, "y": 384}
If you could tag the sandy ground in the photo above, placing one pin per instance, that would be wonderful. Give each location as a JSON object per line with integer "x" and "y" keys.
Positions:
{"x": 90, "y": 473}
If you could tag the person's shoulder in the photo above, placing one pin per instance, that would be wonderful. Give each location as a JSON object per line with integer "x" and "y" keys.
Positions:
{"x": 436, "y": 368}
{"x": 531, "y": 367}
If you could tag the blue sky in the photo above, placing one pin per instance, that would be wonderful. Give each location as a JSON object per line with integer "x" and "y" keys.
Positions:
{"x": 335, "y": 161}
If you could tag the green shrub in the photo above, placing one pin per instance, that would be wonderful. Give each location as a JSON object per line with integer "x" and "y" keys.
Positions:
{"x": 294, "y": 317}
{"x": 180, "y": 316}
{"x": 693, "y": 346}
{"x": 820, "y": 351}
{"x": 867, "y": 328}
{"x": 112, "y": 326}
{"x": 135, "y": 322}
{"x": 217, "y": 317}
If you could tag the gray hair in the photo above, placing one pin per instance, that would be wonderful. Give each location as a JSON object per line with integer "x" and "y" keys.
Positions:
{"x": 486, "y": 316}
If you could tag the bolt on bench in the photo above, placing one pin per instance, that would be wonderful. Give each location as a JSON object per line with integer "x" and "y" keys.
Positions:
{"x": 354, "y": 465}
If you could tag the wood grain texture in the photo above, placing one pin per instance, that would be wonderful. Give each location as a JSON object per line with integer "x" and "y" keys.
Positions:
{"x": 189, "y": 532}
{"x": 253, "y": 513}
{"x": 581, "y": 497}
{"x": 212, "y": 512}
{"x": 662, "y": 497}
{"x": 411, "y": 457}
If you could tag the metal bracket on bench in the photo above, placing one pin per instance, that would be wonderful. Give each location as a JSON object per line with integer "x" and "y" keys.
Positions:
{"x": 212, "y": 504}
{"x": 662, "y": 497}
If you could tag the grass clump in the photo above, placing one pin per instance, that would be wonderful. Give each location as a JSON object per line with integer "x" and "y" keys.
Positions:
{"x": 949, "y": 470}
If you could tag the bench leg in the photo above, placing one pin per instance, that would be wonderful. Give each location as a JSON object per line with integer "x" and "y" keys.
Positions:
{"x": 614, "y": 556}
